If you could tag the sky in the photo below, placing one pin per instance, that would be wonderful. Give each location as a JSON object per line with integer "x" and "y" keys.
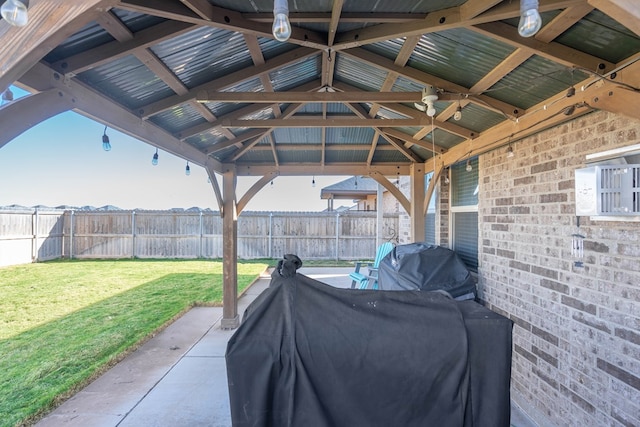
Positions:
{"x": 61, "y": 162}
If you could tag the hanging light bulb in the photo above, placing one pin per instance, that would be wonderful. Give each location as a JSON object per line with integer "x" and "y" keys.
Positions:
{"x": 281, "y": 26}
{"x": 469, "y": 168}
{"x": 154, "y": 160}
{"x": 446, "y": 176}
{"x": 313, "y": 181}
{"x": 187, "y": 170}
{"x": 15, "y": 12}
{"x": 7, "y": 96}
{"x": 356, "y": 183}
{"x": 458, "y": 114}
{"x": 530, "y": 20}
{"x": 106, "y": 145}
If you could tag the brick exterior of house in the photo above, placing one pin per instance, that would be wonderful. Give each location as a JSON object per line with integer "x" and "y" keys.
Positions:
{"x": 576, "y": 338}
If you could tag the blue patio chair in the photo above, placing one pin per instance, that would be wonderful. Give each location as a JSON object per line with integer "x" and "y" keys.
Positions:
{"x": 370, "y": 280}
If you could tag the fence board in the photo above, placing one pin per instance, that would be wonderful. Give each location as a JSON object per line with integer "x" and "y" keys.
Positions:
{"x": 32, "y": 235}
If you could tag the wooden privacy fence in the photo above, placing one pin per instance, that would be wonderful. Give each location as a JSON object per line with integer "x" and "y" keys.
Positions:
{"x": 36, "y": 235}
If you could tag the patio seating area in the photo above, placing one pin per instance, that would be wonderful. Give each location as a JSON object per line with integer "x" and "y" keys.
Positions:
{"x": 178, "y": 378}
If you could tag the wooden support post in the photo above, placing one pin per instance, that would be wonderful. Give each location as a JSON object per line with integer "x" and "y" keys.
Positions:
{"x": 230, "y": 318}
{"x": 417, "y": 201}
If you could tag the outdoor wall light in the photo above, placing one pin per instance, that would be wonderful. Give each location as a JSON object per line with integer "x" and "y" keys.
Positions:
{"x": 15, "y": 12}
{"x": 281, "y": 26}
{"x": 187, "y": 170}
{"x": 106, "y": 145}
{"x": 510, "y": 152}
{"x": 530, "y": 20}
{"x": 154, "y": 160}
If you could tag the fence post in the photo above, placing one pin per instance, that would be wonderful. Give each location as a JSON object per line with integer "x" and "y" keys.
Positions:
{"x": 337, "y": 236}
{"x": 34, "y": 236}
{"x": 201, "y": 237}
{"x": 71, "y": 235}
{"x": 270, "y": 242}
{"x": 133, "y": 234}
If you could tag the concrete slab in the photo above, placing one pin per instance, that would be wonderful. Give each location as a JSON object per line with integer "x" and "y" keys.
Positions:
{"x": 179, "y": 377}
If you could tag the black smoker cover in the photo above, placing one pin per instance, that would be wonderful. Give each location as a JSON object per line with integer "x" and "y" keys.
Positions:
{"x": 308, "y": 354}
{"x": 420, "y": 266}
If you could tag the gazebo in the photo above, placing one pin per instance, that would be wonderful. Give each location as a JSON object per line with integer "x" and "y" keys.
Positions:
{"x": 384, "y": 89}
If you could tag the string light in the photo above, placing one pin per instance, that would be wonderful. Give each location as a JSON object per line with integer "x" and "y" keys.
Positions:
{"x": 281, "y": 26}
{"x": 154, "y": 160}
{"x": 15, "y": 12}
{"x": 313, "y": 181}
{"x": 187, "y": 170}
{"x": 469, "y": 168}
{"x": 530, "y": 20}
{"x": 458, "y": 114}
{"x": 106, "y": 145}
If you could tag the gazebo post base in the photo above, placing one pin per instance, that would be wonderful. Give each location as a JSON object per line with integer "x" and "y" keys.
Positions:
{"x": 231, "y": 323}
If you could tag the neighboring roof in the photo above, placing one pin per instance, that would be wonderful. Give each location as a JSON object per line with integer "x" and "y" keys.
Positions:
{"x": 355, "y": 188}
{"x": 206, "y": 80}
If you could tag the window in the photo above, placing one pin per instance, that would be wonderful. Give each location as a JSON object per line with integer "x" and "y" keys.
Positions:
{"x": 464, "y": 211}
{"x": 430, "y": 218}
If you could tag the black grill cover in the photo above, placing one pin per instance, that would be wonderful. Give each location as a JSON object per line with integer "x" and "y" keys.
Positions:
{"x": 419, "y": 266}
{"x": 308, "y": 354}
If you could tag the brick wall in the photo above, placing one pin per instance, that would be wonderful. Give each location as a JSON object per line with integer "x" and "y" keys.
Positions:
{"x": 576, "y": 359}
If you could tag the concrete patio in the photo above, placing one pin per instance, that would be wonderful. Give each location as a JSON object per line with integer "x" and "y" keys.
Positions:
{"x": 178, "y": 378}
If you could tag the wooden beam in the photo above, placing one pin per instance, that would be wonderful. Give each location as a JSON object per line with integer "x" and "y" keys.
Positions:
{"x": 108, "y": 52}
{"x": 319, "y": 123}
{"x": 441, "y": 20}
{"x": 552, "y": 51}
{"x": 100, "y": 108}
{"x": 312, "y": 97}
{"x": 255, "y": 188}
{"x": 310, "y": 168}
{"x": 228, "y": 80}
{"x": 562, "y": 22}
{"x": 395, "y": 191}
{"x": 237, "y": 114}
{"x": 423, "y": 78}
{"x": 114, "y": 26}
{"x": 472, "y": 8}
{"x": 335, "y": 21}
{"x": 349, "y": 17}
{"x": 31, "y": 110}
{"x": 50, "y": 23}
{"x": 626, "y": 12}
{"x": 219, "y": 17}
{"x": 432, "y": 187}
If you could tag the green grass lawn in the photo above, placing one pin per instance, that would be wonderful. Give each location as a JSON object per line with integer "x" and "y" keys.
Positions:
{"x": 63, "y": 323}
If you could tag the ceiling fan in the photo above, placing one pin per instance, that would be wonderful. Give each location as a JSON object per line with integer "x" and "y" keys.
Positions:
{"x": 429, "y": 96}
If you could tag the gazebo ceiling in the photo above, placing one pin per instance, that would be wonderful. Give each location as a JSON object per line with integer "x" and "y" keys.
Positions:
{"x": 207, "y": 81}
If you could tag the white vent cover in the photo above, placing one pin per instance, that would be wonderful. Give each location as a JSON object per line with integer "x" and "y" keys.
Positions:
{"x": 608, "y": 190}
